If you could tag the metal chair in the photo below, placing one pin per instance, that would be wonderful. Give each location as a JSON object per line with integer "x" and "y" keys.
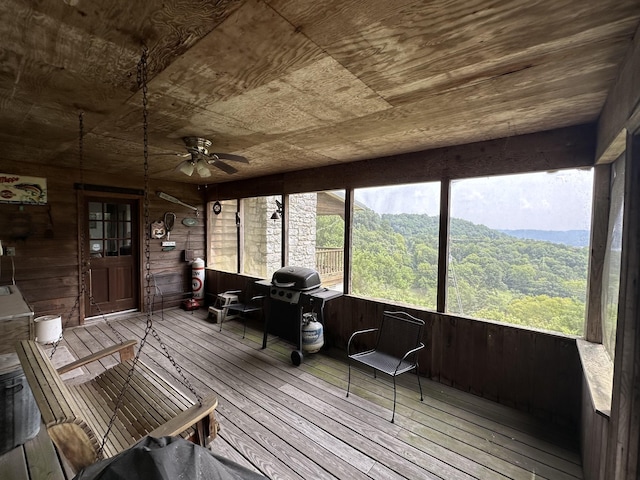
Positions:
{"x": 246, "y": 304}
{"x": 395, "y": 351}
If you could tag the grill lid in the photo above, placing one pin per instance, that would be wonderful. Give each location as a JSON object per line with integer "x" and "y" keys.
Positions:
{"x": 296, "y": 278}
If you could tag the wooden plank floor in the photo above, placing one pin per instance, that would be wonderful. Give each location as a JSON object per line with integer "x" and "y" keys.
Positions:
{"x": 292, "y": 422}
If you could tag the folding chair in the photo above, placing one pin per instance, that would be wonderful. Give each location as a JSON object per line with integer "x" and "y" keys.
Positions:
{"x": 247, "y": 304}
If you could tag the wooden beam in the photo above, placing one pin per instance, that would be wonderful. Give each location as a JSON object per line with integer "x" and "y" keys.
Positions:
{"x": 621, "y": 105}
{"x": 599, "y": 230}
{"x": 571, "y": 147}
{"x": 443, "y": 248}
{"x": 349, "y": 201}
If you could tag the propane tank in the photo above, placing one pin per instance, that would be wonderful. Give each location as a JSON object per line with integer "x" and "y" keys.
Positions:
{"x": 312, "y": 333}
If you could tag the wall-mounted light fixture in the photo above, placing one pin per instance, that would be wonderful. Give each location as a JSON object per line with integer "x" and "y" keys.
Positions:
{"x": 278, "y": 213}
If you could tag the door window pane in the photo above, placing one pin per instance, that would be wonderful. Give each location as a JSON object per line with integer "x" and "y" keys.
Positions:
{"x": 519, "y": 248}
{"x": 110, "y": 228}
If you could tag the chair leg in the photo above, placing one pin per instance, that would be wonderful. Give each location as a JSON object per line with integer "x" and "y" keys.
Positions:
{"x": 244, "y": 322}
{"x": 349, "y": 379}
{"x": 393, "y": 416}
{"x": 419, "y": 384}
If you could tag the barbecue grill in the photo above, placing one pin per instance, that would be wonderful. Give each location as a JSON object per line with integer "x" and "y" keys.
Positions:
{"x": 292, "y": 292}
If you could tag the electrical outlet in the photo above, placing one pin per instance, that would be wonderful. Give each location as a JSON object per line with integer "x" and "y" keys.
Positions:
{"x": 10, "y": 251}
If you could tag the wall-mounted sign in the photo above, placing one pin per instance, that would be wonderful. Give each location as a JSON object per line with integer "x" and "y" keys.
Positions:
{"x": 21, "y": 189}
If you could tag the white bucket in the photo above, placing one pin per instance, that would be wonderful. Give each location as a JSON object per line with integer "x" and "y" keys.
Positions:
{"x": 48, "y": 328}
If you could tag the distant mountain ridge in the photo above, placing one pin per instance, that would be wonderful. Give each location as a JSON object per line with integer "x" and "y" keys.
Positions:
{"x": 574, "y": 238}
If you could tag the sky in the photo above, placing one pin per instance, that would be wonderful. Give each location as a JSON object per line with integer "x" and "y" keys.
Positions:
{"x": 558, "y": 200}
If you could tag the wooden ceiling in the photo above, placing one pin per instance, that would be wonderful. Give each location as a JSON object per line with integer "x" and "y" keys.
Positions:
{"x": 294, "y": 84}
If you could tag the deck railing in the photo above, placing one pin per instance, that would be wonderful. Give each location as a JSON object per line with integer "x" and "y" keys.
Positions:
{"x": 330, "y": 264}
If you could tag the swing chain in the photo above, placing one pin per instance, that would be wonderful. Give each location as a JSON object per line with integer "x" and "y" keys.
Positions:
{"x": 76, "y": 305}
{"x": 142, "y": 82}
{"x": 141, "y": 78}
{"x": 85, "y": 264}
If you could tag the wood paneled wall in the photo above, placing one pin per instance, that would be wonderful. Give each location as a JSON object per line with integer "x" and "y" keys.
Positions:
{"x": 47, "y": 260}
{"x": 532, "y": 371}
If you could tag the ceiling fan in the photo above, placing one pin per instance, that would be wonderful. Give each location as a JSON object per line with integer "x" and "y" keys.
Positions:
{"x": 199, "y": 158}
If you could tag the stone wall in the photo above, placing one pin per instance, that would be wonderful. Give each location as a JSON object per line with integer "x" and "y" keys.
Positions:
{"x": 302, "y": 230}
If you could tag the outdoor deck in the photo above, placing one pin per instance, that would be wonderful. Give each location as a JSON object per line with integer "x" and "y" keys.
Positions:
{"x": 295, "y": 422}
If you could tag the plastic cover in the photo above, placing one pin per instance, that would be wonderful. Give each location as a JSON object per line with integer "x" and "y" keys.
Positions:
{"x": 166, "y": 458}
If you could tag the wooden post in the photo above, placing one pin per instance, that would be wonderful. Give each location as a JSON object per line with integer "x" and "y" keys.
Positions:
{"x": 622, "y": 460}
{"x": 599, "y": 229}
{"x": 349, "y": 201}
{"x": 284, "y": 231}
{"x": 443, "y": 247}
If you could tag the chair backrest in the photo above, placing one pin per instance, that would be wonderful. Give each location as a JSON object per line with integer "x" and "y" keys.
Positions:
{"x": 399, "y": 332}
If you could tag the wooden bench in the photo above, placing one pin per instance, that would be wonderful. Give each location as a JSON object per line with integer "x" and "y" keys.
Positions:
{"x": 77, "y": 416}
{"x": 168, "y": 286}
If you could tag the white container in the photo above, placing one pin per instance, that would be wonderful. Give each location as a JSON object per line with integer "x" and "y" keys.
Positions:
{"x": 197, "y": 278}
{"x": 48, "y": 328}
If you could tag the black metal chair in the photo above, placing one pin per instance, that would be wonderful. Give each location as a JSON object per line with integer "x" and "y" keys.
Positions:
{"x": 395, "y": 351}
{"x": 168, "y": 285}
{"x": 247, "y": 304}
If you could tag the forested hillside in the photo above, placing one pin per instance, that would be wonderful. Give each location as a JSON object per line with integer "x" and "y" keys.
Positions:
{"x": 491, "y": 275}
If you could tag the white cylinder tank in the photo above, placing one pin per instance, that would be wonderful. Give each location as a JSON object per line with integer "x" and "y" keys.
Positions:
{"x": 197, "y": 278}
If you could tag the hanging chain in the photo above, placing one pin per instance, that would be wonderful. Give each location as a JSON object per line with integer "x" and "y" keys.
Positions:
{"x": 76, "y": 305}
{"x": 142, "y": 82}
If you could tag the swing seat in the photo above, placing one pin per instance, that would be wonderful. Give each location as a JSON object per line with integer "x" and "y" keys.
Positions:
{"x": 77, "y": 416}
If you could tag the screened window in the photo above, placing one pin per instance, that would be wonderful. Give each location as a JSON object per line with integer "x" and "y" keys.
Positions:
{"x": 613, "y": 255}
{"x": 261, "y": 236}
{"x": 519, "y": 246}
{"x": 223, "y": 236}
{"x": 316, "y": 234}
{"x": 395, "y": 243}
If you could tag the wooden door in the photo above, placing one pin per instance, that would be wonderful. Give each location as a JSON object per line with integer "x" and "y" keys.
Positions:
{"x": 111, "y": 246}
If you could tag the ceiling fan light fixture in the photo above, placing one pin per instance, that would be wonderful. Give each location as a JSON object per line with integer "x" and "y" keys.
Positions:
{"x": 202, "y": 169}
{"x": 187, "y": 168}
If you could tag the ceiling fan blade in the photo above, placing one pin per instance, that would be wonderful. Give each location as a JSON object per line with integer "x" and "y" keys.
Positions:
{"x": 222, "y": 166}
{"x": 228, "y": 156}
{"x": 181, "y": 155}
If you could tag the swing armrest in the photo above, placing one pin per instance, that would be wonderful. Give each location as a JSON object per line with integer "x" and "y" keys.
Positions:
{"x": 125, "y": 349}
{"x": 190, "y": 417}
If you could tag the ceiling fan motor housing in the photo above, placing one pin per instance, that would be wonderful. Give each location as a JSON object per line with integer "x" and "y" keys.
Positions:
{"x": 197, "y": 145}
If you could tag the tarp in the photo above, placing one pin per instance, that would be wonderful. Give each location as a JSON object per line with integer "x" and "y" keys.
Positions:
{"x": 166, "y": 458}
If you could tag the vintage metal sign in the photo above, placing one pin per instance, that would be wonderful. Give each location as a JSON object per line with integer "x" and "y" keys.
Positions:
{"x": 21, "y": 189}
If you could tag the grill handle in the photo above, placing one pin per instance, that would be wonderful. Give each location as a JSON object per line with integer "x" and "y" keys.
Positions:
{"x": 284, "y": 285}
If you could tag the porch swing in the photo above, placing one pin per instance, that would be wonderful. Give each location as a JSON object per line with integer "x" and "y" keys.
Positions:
{"x": 108, "y": 414}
